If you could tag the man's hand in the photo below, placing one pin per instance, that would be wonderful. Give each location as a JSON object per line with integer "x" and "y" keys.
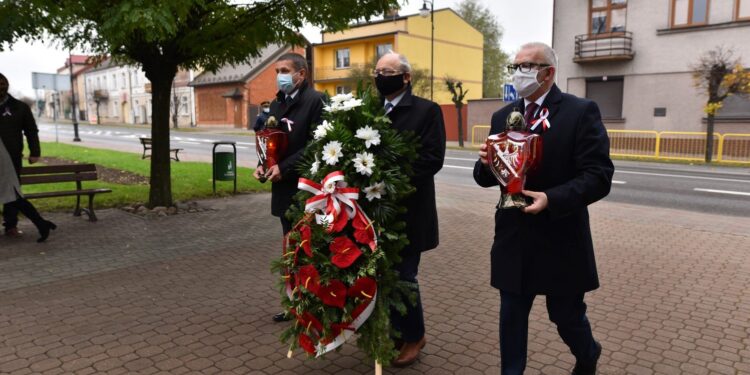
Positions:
{"x": 259, "y": 172}
{"x": 483, "y": 154}
{"x": 539, "y": 204}
{"x": 33, "y": 159}
{"x": 274, "y": 173}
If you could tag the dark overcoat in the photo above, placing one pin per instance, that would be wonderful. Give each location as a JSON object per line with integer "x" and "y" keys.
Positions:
{"x": 303, "y": 111}
{"x": 16, "y": 121}
{"x": 425, "y": 119}
{"x": 552, "y": 252}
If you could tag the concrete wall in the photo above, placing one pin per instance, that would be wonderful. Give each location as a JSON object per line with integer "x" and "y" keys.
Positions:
{"x": 659, "y": 74}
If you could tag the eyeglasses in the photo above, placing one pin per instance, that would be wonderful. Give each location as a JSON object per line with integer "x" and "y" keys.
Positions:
{"x": 524, "y": 67}
{"x": 385, "y": 72}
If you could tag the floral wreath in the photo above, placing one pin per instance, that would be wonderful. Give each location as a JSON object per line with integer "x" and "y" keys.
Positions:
{"x": 337, "y": 264}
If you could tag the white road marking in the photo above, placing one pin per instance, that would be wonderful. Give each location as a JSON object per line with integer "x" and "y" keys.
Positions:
{"x": 457, "y": 167}
{"x": 618, "y": 182}
{"x": 243, "y": 147}
{"x": 729, "y": 192}
{"x": 463, "y": 159}
{"x": 189, "y": 143}
{"x": 246, "y": 143}
{"x": 683, "y": 176}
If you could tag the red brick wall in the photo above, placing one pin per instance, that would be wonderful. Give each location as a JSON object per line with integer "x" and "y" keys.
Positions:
{"x": 450, "y": 117}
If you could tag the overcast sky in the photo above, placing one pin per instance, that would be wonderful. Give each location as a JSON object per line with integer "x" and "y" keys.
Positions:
{"x": 523, "y": 22}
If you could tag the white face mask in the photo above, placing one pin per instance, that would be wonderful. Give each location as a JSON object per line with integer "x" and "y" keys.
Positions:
{"x": 525, "y": 83}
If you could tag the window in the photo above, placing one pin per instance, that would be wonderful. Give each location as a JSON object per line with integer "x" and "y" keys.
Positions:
{"x": 104, "y": 82}
{"x": 122, "y": 81}
{"x": 114, "y": 81}
{"x": 115, "y": 108}
{"x": 607, "y": 93}
{"x": 689, "y": 12}
{"x": 743, "y": 10}
{"x": 607, "y": 16}
{"x": 735, "y": 107}
{"x": 382, "y": 49}
{"x": 343, "y": 90}
{"x": 184, "y": 106}
{"x": 342, "y": 58}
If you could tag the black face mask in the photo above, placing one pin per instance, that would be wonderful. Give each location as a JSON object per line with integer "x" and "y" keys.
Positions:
{"x": 388, "y": 85}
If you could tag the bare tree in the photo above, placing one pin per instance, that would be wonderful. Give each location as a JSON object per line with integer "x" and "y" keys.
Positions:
{"x": 719, "y": 74}
{"x": 457, "y": 92}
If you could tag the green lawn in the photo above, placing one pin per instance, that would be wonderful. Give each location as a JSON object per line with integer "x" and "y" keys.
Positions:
{"x": 190, "y": 180}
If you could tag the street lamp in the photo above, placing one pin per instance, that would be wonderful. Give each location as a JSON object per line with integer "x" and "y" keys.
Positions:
{"x": 424, "y": 12}
{"x": 73, "y": 100}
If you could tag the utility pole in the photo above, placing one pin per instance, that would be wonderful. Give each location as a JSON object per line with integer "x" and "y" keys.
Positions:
{"x": 73, "y": 100}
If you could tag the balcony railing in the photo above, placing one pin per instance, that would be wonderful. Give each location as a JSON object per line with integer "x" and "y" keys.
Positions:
{"x": 609, "y": 47}
{"x": 101, "y": 94}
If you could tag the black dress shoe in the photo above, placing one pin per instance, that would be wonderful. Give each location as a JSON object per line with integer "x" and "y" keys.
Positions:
{"x": 588, "y": 368}
{"x": 44, "y": 230}
{"x": 281, "y": 317}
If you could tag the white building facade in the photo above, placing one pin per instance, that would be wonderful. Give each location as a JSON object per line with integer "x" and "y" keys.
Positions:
{"x": 635, "y": 59}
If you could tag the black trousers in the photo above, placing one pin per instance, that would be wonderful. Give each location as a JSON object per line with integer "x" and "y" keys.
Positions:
{"x": 22, "y": 205}
{"x": 410, "y": 325}
{"x": 567, "y": 312}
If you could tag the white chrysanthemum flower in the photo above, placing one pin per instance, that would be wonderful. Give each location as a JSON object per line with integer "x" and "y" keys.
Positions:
{"x": 322, "y": 129}
{"x": 364, "y": 162}
{"x": 340, "y": 98}
{"x": 351, "y": 104}
{"x": 332, "y": 152}
{"x": 375, "y": 191}
{"x": 369, "y": 135}
{"x": 315, "y": 165}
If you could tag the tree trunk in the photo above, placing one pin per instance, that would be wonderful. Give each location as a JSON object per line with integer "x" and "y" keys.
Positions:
{"x": 709, "y": 137}
{"x": 160, "y": 193}
{"x": 460, "y": 126}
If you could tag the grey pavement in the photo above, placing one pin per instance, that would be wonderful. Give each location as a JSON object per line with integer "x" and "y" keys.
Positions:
{"x": 193, "y": 293}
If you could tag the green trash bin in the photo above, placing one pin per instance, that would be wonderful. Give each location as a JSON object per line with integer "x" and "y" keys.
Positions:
{"x": 225, "y": 164}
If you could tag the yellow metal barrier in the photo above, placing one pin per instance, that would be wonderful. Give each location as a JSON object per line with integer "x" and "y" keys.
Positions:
{"x": 478, "y": 134}
{"x": 633, "y": 143}
{"x": 691, "y": 146}
{"x": 735, "y": 148}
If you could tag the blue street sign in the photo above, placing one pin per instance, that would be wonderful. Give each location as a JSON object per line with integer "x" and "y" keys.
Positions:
{"x": 509, "y": 93}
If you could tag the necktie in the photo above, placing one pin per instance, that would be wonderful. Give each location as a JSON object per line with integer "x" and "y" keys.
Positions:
{"x": 529, "y": 115}
{"x": 388, "y": 107}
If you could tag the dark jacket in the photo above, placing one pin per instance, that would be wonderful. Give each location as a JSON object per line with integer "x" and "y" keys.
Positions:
{"x": 552, "y": 252}
{"x": 425, "y": 119}
{"x": 16, "y": 121}
{"x": 260, "y": 122}
{"x": 304, "y": 112}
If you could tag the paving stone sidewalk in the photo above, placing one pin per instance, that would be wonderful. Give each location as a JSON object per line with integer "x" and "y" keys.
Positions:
{"x": 193, "y": 293}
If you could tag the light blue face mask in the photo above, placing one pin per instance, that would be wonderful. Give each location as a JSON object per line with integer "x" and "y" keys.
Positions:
{"x": 285, "y": 83}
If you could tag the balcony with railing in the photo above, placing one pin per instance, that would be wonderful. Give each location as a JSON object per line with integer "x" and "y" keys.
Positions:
{"x": 101, "y": 95}
{"x": 611, "y": 47}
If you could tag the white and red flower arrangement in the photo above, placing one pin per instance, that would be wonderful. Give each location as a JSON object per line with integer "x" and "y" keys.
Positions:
{"x": 337, "y": 263}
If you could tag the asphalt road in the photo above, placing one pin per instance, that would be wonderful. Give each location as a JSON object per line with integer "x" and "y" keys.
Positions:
{"x": 708, "y": 189}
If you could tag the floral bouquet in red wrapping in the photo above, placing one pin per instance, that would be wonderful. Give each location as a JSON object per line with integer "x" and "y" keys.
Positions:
{"x": 337, "y": 261}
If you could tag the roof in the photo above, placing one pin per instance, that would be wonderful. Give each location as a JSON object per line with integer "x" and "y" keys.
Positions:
{"x": 230, "y": 73}
{"x": 79, "y": 59}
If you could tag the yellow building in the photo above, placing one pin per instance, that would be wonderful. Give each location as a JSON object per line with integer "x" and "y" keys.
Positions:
{"x": 458, "y": 52}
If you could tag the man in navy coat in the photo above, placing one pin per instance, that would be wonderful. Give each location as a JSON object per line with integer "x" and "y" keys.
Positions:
{"x": 546, "y": 248}
{"x": 410, "y": 113}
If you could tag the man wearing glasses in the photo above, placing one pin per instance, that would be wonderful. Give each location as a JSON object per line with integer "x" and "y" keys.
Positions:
{"x": 425, "y": 119}
{"x": 546, "y": 248}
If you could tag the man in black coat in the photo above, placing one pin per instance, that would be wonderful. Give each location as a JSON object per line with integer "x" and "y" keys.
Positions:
{"x": 425, "y": 119}
{"x": 16, "y": 121}
{"x": 546, "y": 248}
{"x": 297, "y": 108}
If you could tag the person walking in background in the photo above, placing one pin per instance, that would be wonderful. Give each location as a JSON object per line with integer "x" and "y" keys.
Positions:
{"x": 260, "y": 122}
{"x": 16, "y": 121}
{"x": 11, "y": 197}
{"x": 546, "y": 248}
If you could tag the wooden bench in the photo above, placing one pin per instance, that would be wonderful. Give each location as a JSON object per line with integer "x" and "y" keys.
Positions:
{"x": 147, "y": 145}
{"x": 64, "y": 173}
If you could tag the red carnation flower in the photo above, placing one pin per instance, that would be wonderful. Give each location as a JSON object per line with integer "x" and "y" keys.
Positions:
{"x": 363, "y": 288}
{"x": 345, "y": 252}
{"x": 308, "y": 277}
{"x": 305, "y": 342}
{"x": 333, "y": 294}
